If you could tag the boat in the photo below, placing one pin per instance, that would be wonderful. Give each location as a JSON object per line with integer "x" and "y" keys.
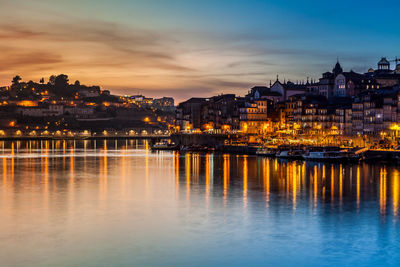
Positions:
{"x": 197, "y": 148}
{"x": 290, "y": 154}
{"x": 335, "y": 154}
{"x": 266, "y": 152}
{"x": 354, "y": 154}
{"x": 324, "y": 156}
{"x": 164, "y": 146}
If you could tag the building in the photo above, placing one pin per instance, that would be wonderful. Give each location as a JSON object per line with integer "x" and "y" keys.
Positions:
{"x": 221, "y": 112}
{"x": 90, "y": 92}
{"x": 313, "y": 114}
{"x": 327, "y": 82}
{"x": 347, "y": 84}
{"x": 79, "y": 111}
{"x": 384, "y": 75}
{"x": 263, "y": 92}
{"x": 188, "y": 113}
{"x": 374, "y": 112}
{"x": 287, "y": 89}
{"x": 254, "y": 117}
{"x": 42, "y": 111}
{"x": 164, "y": 104}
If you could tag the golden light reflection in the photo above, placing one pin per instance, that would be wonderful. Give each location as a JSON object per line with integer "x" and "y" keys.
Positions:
{"x": 341, "y": 184}
{"x": 288, "y": 179}
{"x": 71, "y": 169}
{"x": 245, "y": 178}
{"x": 176, "y": 161}
{"x": 382, "y": 191}
{"x": 4, "y": 173}
{"x": 188, "y": 173}
{"x": 396, "y": 192}
{"x": 103, "y": 170}
{"x": 226, "y": 176}
{"x": 123, "y": 173}
{"x": 147, "y": 174}
{"x": 315, "y": 186}
{"x": 358, "y": 187}
{"x": 294, "y": 186}
{"x": 45, "y": 169}
{"x": 267, "y": 179}
{"x": 195, "y": 168}
{"x": 207, "y": 171}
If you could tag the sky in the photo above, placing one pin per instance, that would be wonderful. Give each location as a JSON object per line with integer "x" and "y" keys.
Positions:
{"x": 190, "y": 48}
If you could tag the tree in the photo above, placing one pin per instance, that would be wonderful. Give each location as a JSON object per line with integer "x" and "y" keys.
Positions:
{"x": 61, "y": 81}
{"x": 31, "y": 84}
{"x": 42, "y": 81}
{"x": 52, "y": 79}
{"x": 77, "y": 83}
{"x": 16, "y": 80}
{"x": 61, "y": 85}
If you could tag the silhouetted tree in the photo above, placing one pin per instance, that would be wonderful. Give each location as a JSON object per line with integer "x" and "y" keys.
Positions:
{"x": 31, "y": 84}
{"x": 16, "y": 80}
{"x": 61, "y": 80}
{"x": 42, "y": 81}
{"x": 61, "y": 85}
{"x": 77, "y": 83}
{"x": 52, "y": 80}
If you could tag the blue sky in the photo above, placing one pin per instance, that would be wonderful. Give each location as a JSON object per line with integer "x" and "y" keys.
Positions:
{"x": 192, "y": 48}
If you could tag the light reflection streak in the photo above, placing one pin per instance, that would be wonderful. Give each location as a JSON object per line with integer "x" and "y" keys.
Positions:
{"x": 103, "y": 170}
{"x": 341, "y": 185}
{"x": 176, "y": 159}
{"x": 332, "y": 184}
{"x": 395, "y": 192}
{"x": 226, "y": 176}
{"x": 207, "y": 172}
{"x": 123, "y": 173}
{"x": 71, "y": 184}
{"x": 315, "y": 186}
{"x": 358, "y": 187}
{"x": 147, "y": 175}
{"x": 245, "y": 178}
{"x": 266, "y": 179}
{"x": 195, "y": 168}
{"x": 294, "y": 186}
{"x": 382, "y": 191}
{"x": 188, "y": 173}
{"x": 4, "y": 174}
{"x": 288, "y": 179}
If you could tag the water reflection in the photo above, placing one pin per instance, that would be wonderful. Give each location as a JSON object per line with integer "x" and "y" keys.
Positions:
{"x": 78, "y": 182}
{"x": 291, "y": 180}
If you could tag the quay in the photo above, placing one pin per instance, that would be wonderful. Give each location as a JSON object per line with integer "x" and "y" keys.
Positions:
{"x": 230, "y": 143}
{"x": 152, "y": 137}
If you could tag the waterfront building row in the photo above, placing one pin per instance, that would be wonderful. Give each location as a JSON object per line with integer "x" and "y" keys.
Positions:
{"x": 340, "y": 103}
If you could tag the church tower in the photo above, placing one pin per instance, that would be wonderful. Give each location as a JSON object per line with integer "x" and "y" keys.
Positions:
{"x": 337, "y": 69}
{"x": 383, "y": 64}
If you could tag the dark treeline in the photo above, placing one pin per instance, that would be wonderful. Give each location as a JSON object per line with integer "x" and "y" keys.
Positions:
{"x": 57, "y": 85}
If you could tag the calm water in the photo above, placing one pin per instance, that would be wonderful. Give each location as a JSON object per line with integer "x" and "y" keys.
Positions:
{"x": 117, "y": 203}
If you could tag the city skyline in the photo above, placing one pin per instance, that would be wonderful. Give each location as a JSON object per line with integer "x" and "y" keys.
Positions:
{"x": 189, "y": 49}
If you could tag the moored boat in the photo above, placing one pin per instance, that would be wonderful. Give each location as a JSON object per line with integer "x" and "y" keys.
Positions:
{"x": 164, "y": 146}
{"x": 290, "y": 154}
{"x": 324, "y": 156}
{"x": 266, "y": 152}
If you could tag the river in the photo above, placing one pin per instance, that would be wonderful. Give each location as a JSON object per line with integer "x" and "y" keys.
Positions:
{"x": 116, "y": 203}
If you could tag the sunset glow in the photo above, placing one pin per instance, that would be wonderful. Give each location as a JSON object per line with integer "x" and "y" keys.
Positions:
{"x": 185, "y": 48}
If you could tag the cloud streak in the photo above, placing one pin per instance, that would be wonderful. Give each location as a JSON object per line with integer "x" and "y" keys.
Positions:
{"x": 50, "y": 37}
